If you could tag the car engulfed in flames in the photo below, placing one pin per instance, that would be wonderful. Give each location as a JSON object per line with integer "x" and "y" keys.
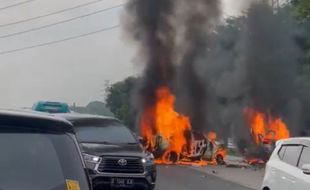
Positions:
{"x": 265, "y": 128}
{"x": 169, "y": 136}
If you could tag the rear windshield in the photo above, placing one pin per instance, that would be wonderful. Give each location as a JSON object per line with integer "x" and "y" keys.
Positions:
{"x": 39, "y": 161}
{"x": 109, "y": 131}
{"x": 52, "y": 108}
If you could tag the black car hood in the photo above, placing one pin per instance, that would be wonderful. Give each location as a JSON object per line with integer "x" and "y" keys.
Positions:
{"x": 112, "y": 149}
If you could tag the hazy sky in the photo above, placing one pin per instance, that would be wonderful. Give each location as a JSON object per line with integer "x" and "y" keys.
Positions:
{"x": 71, "y": 71}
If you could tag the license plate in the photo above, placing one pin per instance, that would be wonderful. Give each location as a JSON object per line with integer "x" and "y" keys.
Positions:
{"x": 121, "y": 182}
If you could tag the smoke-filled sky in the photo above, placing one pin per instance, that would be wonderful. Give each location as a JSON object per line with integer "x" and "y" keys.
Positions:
{"x": 72, "y": 71}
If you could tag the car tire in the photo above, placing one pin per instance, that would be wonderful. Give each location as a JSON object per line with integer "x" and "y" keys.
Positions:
{"x": 266, "y": 188}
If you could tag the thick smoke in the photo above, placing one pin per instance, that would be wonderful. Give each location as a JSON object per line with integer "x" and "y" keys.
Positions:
{"x": 216, "y": 71}
{"x": 201, "y": 17}
{"x": 254, "y": 64}
{"x": 270, "y": 58}
{"x": 170, "y": 33}
{"x": 149, "y": 23}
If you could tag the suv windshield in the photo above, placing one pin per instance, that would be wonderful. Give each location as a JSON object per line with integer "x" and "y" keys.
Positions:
{"x": 39, "y": 161}
{"x": 104, "y": 132}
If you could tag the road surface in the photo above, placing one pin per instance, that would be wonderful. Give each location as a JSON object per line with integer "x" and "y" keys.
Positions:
{"x": 184, "y": 178}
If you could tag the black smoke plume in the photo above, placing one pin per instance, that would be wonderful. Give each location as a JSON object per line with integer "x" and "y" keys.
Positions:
{"x": 149, "y": 24}
{"x": 270, "y": 57}
{"x": 171, "y": 35}
{"x": 200, "y": 20}
{"x": 254, "y": 63}
{"x": 218, "y": 71}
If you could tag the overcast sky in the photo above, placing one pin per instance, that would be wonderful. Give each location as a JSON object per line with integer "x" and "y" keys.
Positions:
{"x": 71, "y": 71}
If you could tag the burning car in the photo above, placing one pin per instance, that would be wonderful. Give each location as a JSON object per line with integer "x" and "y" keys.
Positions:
{"x": 201, "y": 149}
{"x": 265, "y": 130}
{"x": 170, "y": 137}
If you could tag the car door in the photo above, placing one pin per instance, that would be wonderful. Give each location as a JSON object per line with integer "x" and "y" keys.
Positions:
{"x": 303, "y": 181}
{"x": 273, "y": 173}
{"x": 288, "y": 170}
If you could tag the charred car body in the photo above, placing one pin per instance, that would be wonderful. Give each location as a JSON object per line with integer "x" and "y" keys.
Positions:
{"x": 199, "y": 148}
{"x": 112, "y": 153}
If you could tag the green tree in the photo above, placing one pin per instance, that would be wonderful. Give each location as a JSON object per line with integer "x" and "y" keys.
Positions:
{"x": 118, "y": 101}
{"x": 302, "y": 8}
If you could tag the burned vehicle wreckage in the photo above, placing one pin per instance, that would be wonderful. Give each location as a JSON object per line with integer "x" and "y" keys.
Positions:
{"x": 200, "y": 149}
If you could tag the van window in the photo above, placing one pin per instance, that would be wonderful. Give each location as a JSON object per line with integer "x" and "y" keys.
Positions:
{"x": 291, "y": 155}
{"x": 281, "y": 152}
{"x": 39, "y": 161}
{"x": 305, "y": 157}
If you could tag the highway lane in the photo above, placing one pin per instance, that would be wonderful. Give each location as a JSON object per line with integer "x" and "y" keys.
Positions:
{"x": 185, "y": 178}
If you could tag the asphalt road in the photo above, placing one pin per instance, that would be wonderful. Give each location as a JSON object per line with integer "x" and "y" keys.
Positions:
{"x": 184, "y": 178}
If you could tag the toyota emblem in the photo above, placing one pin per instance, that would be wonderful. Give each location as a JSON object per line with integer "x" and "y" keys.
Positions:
{"x": 122, "y": 162}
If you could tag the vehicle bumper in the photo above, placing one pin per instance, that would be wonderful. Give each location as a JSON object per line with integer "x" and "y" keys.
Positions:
{"x": 144, "y": 180}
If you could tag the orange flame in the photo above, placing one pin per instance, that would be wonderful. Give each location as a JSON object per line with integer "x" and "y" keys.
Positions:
{"x": 265, "y": 128}
{"x": 211, "y": 136}
{"x": 168, "y": 134}
{"x": 162, "y": 120}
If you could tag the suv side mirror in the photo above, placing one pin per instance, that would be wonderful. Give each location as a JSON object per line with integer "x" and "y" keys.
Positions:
{"x": 306, "y": 169}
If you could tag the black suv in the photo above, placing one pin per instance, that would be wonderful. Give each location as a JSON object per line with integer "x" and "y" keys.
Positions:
{"x": 112, "y": 153}
{"x": 39, "y": 152}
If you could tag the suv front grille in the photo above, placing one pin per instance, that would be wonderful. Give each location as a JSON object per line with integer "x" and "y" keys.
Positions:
{"x": 111, "y": 165}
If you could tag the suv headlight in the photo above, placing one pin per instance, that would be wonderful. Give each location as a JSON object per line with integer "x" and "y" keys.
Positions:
{"x": 91, "y": 161}
{"x": 148, "y": 160}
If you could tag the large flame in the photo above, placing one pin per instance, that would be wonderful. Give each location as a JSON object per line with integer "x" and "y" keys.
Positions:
{"x": 162, "y": 120}
{"x": 168, "y": 134}
{"x": 264, "y": 127}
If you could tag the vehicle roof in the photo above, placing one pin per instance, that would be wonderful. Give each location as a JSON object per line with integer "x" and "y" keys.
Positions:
{"x": 296, "y": 140}
{"x": 51, "y": 102}
{"x": 72, "y": 117}
{"x": 36, "y": 120}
